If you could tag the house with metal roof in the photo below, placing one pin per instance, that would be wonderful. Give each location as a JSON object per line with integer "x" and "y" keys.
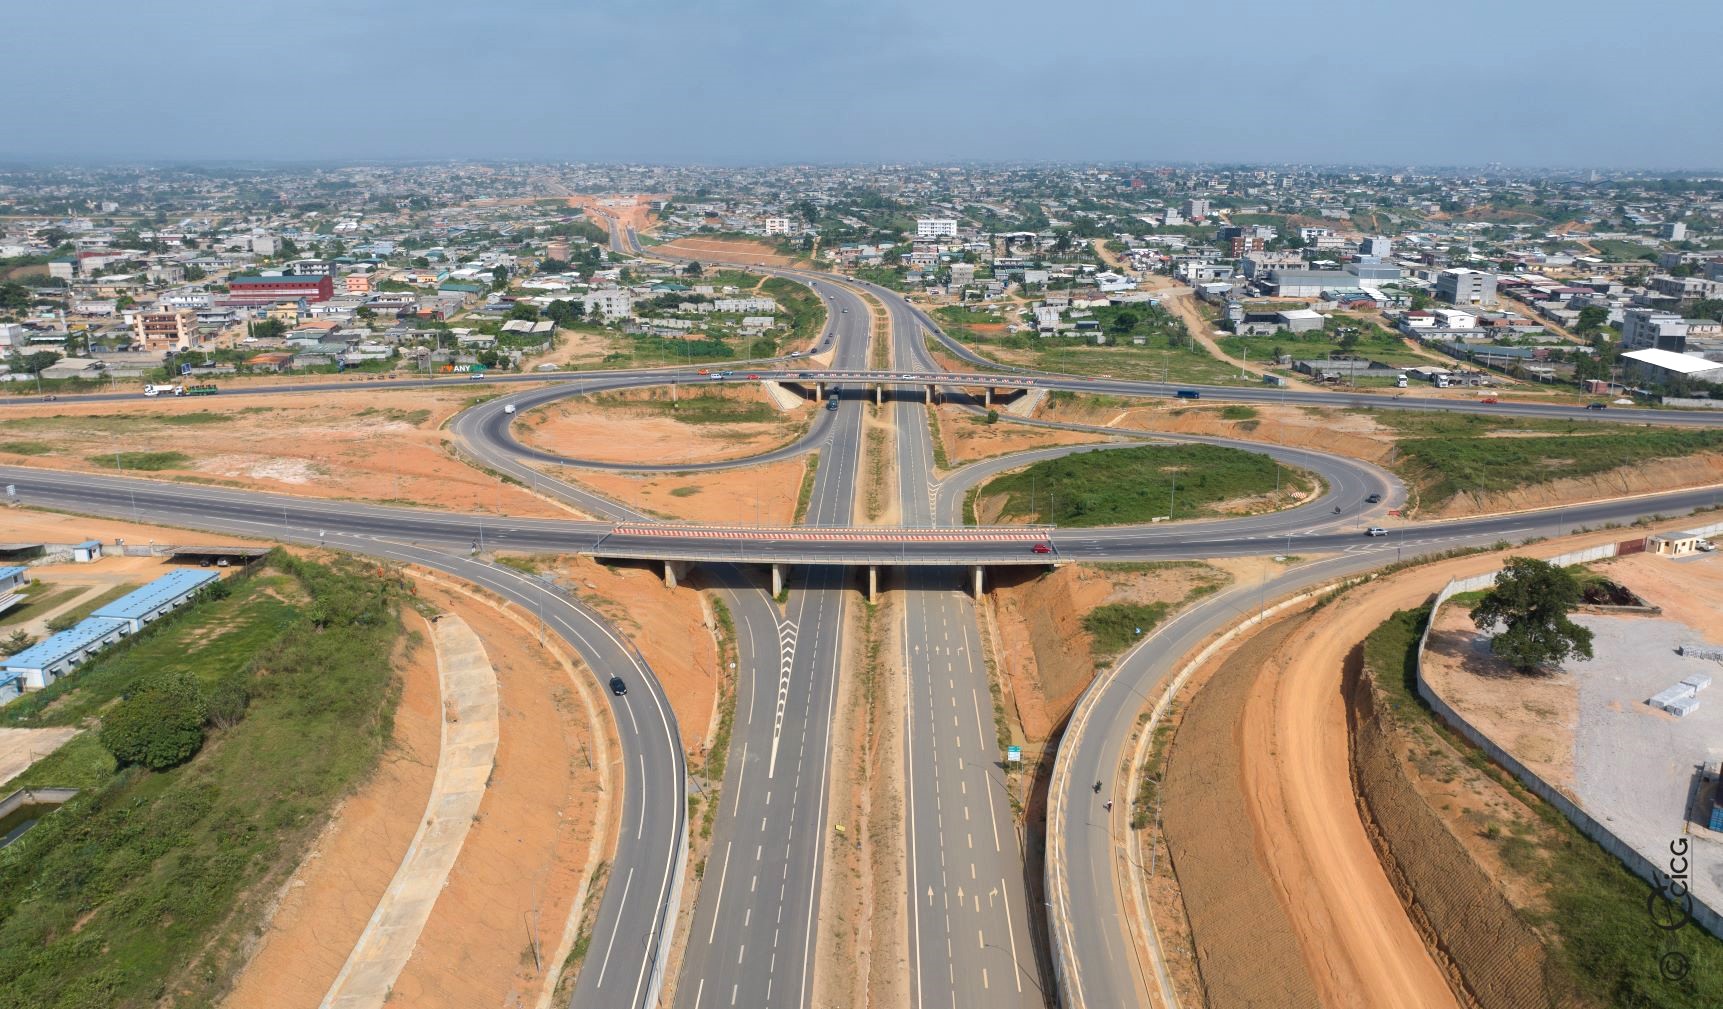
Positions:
{"x": 12, "y": 581}
{"x": 47, "y": 661}
{"x": 164, "y": 595}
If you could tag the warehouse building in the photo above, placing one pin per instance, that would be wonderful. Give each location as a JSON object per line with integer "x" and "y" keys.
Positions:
{"x": 43, "y": 663}
{"x": 1310, "y": 283}
{"x": 164, "y": 595}
{"x": 12, "y": 582}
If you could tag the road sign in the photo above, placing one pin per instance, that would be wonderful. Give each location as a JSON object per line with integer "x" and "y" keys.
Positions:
{"x": 1014, "y": 754}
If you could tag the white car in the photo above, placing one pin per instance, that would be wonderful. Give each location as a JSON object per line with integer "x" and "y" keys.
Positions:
{"x": 1375, "y": 531}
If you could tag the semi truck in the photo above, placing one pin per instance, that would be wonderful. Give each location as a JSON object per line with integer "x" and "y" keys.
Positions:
{"x": 164, "y": 390}
{"x": 201, "y": 390}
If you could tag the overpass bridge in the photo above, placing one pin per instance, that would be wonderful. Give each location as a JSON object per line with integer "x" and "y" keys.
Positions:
{"x": 678, "y": 546}
{"x": 878, "y": 381}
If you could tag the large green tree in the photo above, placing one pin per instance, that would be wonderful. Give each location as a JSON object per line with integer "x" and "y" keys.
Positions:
{"x": 159, "y": 727}
{"x": 1531, "y": 601}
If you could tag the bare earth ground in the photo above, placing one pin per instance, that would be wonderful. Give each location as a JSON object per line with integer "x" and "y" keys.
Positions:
{"x": 1044, "y": 654}
{"x": 543, "y": 824}
{"x": 621, "y": 427}
{"x": 670, "y": 627}
{"x": 746, "y": 496}
{"x": 374, "y": 445}
{"x": 325, "y": 905}
{"x": 631, "y": 208}
{"x": 968, "y": 438}
{"x": 24, "y": 525}
{"x": 724, "y": 250}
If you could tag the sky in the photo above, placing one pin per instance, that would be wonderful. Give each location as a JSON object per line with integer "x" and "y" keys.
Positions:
{"x": 1573, "y": 84}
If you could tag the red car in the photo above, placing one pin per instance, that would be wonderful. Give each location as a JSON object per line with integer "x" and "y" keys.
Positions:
{"x": 1489, "y": 399}
{"x": 753, "y": 376}
{"x": 1042, "y": 548}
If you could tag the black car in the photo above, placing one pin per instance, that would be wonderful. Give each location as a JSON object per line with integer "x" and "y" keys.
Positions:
{"x": 1597, "y": 406}
{"x": 617, "y": 686}
{"x": 1374, "y": 499}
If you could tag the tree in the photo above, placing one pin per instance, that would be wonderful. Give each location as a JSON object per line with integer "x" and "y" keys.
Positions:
{"x": 1124, "y": 322}
{"x": 1591, "y": 319}
{"x": 15, "y": 642}
{"x": 694, "y": 269}
{"x": 194, "y": 272}
{"x": 14, "y": 297}
{"x": 288, "y": 249}
{"x": 499, "y": 278}
{"x": 1532, "y": 600}
{"x": 159, "y": 727}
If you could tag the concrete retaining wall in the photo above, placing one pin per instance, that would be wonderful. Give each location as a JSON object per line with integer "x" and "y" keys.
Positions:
{"x": 1707, "y": 917}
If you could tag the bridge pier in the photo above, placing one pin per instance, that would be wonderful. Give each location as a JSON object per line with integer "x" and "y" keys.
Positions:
{"x": 879, "y": 394}
{"x": 987, "y": 397}
{"x": 820, "y": 391}
{"x": 673, "y": 572}
{"x": 873, "y": 583}
{"x": 927, "y": 393}
{"x": 777, "y": 580}
{"x": 980, "y": 585}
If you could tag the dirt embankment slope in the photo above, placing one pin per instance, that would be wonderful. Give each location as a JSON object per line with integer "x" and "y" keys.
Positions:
{"x": 1702, "y": 470}
{"x": 749, "y": 495}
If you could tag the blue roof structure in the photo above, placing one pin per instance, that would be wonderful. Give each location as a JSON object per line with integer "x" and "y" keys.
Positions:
{"x": 50, "y": 652}
{"x": 11, "y": 571}
{"x": 164, "y": 590}
{"x": 87, "y": 544}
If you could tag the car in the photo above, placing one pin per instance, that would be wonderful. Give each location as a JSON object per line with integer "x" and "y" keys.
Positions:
{"x": 753, "y": 376}
{"x": 618, "y": 686}
{"x": 716, "y": 376}
{"x": 728, "y": 374}
{"x": 1374, "y": 499}
{"x": 846, "y": 311}
{"x": 1041, "y": 548}
{"x": 1375, "y": 531}
{"x": 705, "y": 371}
{"x": 1489, "y": 399}
{"x": 1597, "y": 406}
{"x": 795, "y": 353}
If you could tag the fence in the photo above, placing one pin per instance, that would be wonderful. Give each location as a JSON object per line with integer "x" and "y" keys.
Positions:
{"x": 1706, "y": 916}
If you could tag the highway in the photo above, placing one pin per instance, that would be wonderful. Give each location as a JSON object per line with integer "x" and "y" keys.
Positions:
{"x": 971, "y": 937}
{"x": 752, "y": 935}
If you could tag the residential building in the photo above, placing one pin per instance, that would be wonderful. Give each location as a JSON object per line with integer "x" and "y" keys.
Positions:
{"x": 357, "y": 283}
{"x": 1643, "y": 328}
{"x": 269, "y": 290}
{"x": 936, "y": 227}
{"x": 1674, "y": 231}
{"x": 1377, "y": 248}
{"x": 163, "y": 331}
{"x": 1466, "y": 287}
{"x": 962, "y": 274}
{"x": 1196, "y": 208}
{"x": 12, "y": 581}
{"x": 611, "y": 303}
{"x": 781, "y": 226}
{"x": 1686, "y": 288}
{"x": 64, "y": 268}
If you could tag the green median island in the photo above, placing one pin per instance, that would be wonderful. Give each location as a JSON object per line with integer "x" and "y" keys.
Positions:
{"x": 216, "y": 743}
{"x": 1128, "y": 486}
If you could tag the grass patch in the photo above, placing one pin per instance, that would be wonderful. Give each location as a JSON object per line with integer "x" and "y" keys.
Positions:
{"x": 688, "y": 491}
{"x": 193, "y": 418}
{"x": 1238, "y": 413}
{"x": 1134, "y": 485}
{"x": 806, "y": 494}
{"x": 146, "y": 462}
{"x": 26, "y": 447}
{"x": 89, "y": 606}
{"x": 1117, "y": 626}
{"x": 1443, "y": 468}
{"x": 149, "y": 883}
{"x": 39, "y": 598}
{"x": 1604, "y": 942}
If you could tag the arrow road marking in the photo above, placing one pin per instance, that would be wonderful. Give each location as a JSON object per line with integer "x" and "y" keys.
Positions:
{"x": 786, "y": 661}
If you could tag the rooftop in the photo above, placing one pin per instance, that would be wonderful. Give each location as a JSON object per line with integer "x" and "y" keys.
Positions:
{"x": 171, "y": 586}
{"x": 1668, "y": 360}
{"x": 57, "y": 647}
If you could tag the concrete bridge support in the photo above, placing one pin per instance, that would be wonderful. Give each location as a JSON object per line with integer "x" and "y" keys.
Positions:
{"x": 777, "y": 580}
{"x": 980, "y": 585}
{"x": 820, "y": 391}
{"x": 873, "y": 583}
{"x": 927, "y": 394}
{"x": 987, "y": 397}
{"x": 674, "y": 571}
{"x": 879, "y": 395}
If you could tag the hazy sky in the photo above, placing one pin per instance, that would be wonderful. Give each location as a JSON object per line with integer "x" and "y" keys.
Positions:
{"x": 1527, "y": 82}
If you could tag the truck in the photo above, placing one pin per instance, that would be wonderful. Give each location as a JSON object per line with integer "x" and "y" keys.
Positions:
{"x": 164, "y": 390}
{"x": 201, "y": 390}
{"x": 1189, "y": 394}
{"x": 832, "y": 401}
{"x": 1400, "y": 381}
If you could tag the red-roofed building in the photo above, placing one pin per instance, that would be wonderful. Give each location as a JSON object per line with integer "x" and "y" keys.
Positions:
{"x": 269, "y": 290}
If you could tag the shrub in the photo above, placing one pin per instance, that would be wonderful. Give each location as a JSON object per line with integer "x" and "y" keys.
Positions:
{"x": 159, "y": 727}
{"x": 226, "y": 701}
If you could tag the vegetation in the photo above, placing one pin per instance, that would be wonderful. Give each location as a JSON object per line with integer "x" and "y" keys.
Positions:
{"x": 806, "y": 494}
{"x": 150, "y": 881}
{"x": 1134, "y": 485}
{"x": 1342, "y": 335}
{"x": 148, "y": 462}
{"x": 1531, "y": 600}
{"x": 1443, "y": 467}
{"x": 1603, "y": 941}
{"x": 1117, "y": 626}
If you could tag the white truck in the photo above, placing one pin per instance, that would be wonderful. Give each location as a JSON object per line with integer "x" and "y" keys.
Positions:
{"x": 164, "y": 390}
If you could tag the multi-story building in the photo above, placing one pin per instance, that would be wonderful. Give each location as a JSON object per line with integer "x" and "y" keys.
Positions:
{"x": 1674, "y": 231}
{"x": 781, "y": 226}
{"x": 1196, "y": 208}
{"x": 1379, "y": 248}
{"x": 1464, "y": 286}
{"x": 936, "y": 227}
{"x": 357, "y": 283}
{"x": 269, "y": 290}
{"x": 1686, "y": 288}
{"x": 557, "y": 249}
{"x": 962, "y": 274}
{"x": 1643, "y": 328}
{"x": 1244, "y": 245}
{"x": 163, "y": 331}
{"x": 611, "y": 302}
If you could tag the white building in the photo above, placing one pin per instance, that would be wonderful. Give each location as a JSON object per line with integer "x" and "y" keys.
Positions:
{"x": 1466, "y": 287}
{"x": 936, "y": 227}
{"x": 1666, "y": 365}
{"x": 777, "y": 225}
{"x": 611, "y": 302}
